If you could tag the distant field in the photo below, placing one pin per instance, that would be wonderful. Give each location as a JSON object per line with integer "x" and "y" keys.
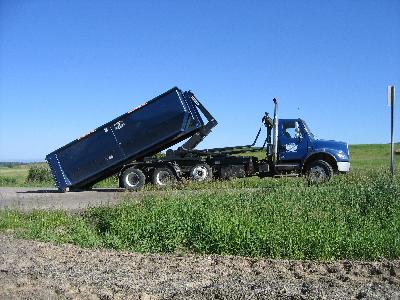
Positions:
{"x": 18, "y": 173}
{"x": 17, "y": 176}
{"x": 364, "y": 157}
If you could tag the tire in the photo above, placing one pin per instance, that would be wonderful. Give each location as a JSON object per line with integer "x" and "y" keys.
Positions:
{"x": 200, "y": 173}
{"x": 133, "y": 179}
{"x": 163, "y": 176}
{"x": 319, "y": 171}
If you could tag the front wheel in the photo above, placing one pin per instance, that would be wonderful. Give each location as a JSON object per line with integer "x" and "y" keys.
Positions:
{"x": 133, "y": 179}
{"x": 319, "y": 171}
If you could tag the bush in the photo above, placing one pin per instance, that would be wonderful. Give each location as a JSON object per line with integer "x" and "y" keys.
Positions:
{"x": 6, "y": 180}
{"x": 39, "y": 174}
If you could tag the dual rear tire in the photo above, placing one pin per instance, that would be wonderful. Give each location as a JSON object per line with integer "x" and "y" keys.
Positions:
{"x": 200, "y": 173}
{"x": 134, "y": 179}
{"x": 163, "y": 176}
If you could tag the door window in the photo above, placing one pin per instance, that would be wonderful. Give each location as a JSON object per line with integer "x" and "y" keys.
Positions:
{"x": 291, "y": 130}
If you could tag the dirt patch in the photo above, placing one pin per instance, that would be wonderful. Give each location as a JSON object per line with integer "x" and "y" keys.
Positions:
{"x": 37, "y": 270}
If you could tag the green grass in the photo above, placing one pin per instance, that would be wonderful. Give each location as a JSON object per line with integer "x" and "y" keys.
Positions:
{"x": 50, "y": 226}
{"x": 359, "y": 220}
{"x": 354, "y": 216}
{"x": 365, "y": 157}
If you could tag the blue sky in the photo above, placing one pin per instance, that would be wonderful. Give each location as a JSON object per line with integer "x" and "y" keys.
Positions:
{"x": 67, "y": 67}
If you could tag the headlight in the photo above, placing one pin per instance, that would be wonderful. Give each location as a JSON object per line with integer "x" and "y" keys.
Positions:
{"x": 342, "y": 155}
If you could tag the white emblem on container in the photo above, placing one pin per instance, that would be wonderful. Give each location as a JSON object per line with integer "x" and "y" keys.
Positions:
{"x": 119, "y": 125}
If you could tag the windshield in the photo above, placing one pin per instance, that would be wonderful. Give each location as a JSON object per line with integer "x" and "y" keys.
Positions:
{"x": 310, "y": 134}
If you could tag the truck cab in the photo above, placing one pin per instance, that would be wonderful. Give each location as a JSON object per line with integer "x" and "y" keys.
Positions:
{"x": 299, "y": 151}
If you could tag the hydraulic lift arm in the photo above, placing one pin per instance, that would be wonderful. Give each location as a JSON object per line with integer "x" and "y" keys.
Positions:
{"x": 190, "y": 145}
{"x": 269, "y": 124}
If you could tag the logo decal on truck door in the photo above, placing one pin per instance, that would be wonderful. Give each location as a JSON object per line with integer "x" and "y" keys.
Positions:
{"x": 292, "y": 147}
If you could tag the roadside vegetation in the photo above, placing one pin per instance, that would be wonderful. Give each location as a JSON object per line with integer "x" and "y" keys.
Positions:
{"x": 25, "y": 175}
{"x": 354, "y": 216}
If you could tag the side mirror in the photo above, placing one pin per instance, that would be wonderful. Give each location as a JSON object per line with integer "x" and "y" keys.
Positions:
{"x": 297, "y": 132}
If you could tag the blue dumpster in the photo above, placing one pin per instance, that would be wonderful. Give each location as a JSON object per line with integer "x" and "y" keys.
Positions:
{"x": 148, "y": 129}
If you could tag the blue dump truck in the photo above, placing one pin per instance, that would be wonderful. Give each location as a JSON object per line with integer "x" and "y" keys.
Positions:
{"x": 128, "y": 145}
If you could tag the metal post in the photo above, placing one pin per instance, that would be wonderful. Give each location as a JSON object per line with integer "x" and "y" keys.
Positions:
{"x": 391, "y": 104}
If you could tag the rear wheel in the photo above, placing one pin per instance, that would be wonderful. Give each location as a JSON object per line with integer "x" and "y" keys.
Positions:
{"x": 201, "y": 172}
{"x": 319, "y": 171}
{"x": 133, "y": 179}
{"x": 163, "y": 176}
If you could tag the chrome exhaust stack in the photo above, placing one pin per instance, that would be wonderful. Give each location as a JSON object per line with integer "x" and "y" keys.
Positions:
{"x": 275, "y": 140}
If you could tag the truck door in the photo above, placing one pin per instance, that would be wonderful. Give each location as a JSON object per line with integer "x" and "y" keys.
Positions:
{"x": 292, "y": 144}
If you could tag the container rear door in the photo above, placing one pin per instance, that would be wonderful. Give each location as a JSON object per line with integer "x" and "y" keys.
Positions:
{"x": 92, "y": 154}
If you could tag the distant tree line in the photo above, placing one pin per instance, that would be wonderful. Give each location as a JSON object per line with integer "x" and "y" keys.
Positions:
{"x": 11, "y": 164}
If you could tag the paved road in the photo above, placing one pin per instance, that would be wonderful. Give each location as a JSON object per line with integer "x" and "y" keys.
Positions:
{"x": 27, "y": 199}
